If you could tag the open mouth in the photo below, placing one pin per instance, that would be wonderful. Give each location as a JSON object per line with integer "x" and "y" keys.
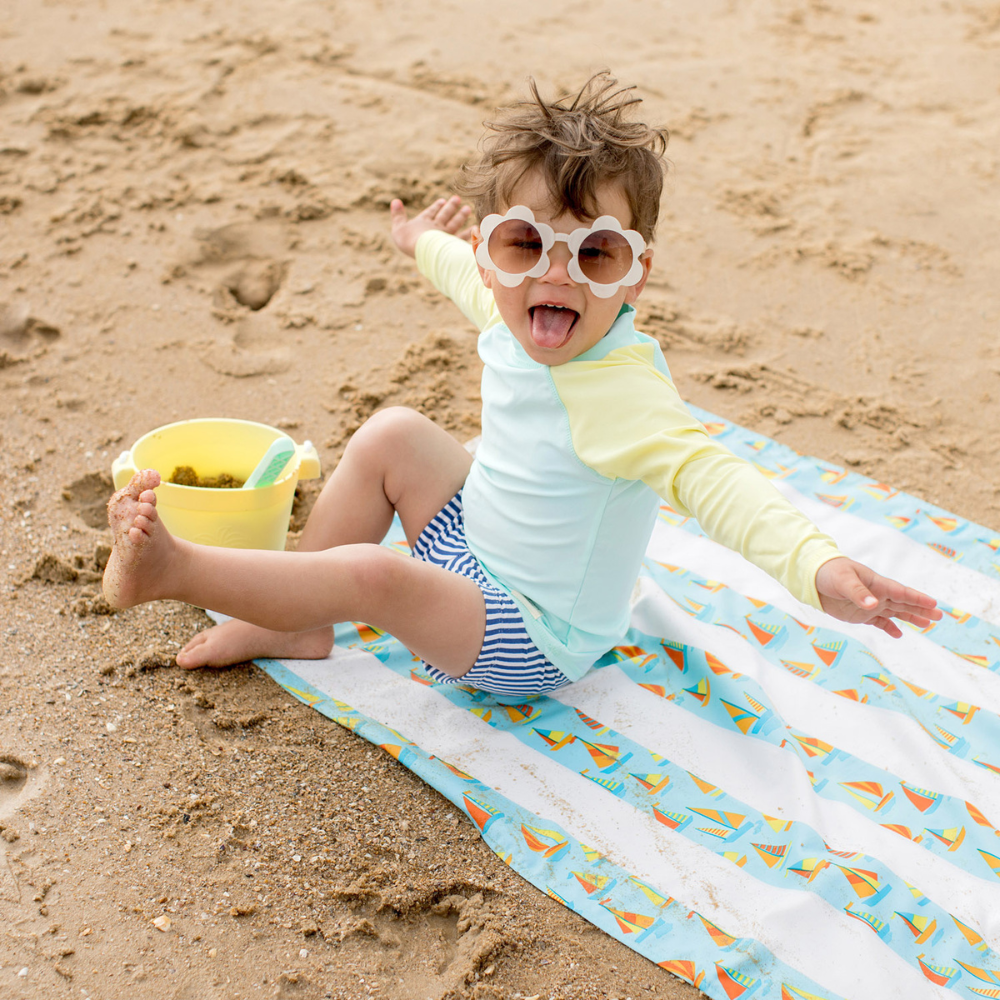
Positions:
{"x": 552, "y": 326}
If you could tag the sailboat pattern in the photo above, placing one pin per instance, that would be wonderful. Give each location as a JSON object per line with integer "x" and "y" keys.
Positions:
{"x": 835, "y": 662}
{"x": 634, "y": 740}
{"x": 652, "y": 922}
{"x": 960, "y": 632}
{"x": 694, "y": 679}
{"x": 774, "y": 850}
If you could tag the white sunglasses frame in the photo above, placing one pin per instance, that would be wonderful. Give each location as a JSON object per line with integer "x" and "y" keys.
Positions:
{"x": 574, "y": 240}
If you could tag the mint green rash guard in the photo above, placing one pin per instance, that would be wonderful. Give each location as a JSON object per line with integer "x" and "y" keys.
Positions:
{"x": 564, "y": 490}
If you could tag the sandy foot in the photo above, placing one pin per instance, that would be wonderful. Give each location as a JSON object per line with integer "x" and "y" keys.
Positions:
{"x": 142, "y": 546}
{"x": 237, "y": 642}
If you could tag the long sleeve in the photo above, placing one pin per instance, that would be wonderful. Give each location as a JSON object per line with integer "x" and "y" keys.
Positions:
{"x": 627, "y": 421}
{"x": 447, "y": 262}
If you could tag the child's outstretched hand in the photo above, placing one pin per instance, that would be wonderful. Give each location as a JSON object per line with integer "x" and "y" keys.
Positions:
{"x": 852, "y": 592}
{"x": 447, "y": 214}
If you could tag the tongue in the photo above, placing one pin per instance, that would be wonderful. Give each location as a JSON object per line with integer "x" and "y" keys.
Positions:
{"x": 550, "y": 326}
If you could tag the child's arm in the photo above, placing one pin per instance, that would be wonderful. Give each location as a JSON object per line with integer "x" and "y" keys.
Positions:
{"x": 743, "y": 510}
{"x": 436, "y": 239}
{"x": 853, "y": 592}
{"x": 628, "y": 422}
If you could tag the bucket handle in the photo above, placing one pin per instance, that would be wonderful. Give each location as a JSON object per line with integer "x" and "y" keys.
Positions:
{"x": 308, "y": 456}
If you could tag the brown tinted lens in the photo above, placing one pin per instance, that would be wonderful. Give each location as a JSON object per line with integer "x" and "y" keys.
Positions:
{"x": 515, "y": 246}
{"x": 605, "y": 257}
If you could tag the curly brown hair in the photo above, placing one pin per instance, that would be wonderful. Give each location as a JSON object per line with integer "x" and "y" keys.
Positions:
{"x": 578, "y": 143}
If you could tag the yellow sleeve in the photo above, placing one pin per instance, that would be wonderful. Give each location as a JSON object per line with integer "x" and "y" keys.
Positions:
{"x": 448, "y": 263}
{"x": 627, "y": 421}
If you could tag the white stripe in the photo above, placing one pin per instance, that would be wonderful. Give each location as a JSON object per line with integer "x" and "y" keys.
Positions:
{"x": 886, "y": 738}
{"x": 773, "y": 781}
{"x": 784, "y": 921}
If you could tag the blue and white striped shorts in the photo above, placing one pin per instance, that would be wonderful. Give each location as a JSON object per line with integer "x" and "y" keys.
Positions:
{"x": 509, "y": 662}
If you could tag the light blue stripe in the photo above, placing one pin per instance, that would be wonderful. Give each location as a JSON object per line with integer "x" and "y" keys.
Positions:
{"x": 679, "y": 932}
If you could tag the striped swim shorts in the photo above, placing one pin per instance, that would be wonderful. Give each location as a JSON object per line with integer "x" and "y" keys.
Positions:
{"x": 509, "y": 662}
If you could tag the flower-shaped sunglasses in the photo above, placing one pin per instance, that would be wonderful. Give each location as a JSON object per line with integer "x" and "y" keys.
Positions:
{"x": 602, "y": 255}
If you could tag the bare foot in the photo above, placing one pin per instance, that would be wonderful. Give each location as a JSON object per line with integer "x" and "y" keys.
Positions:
{"x": 237, "y": 642}
{"x": 143, "y": 548}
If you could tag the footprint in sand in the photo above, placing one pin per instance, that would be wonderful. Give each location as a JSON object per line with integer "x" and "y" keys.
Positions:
{"x": 245, "y": 262}
{"x": 255, "y": 283}
{"x": 250, "y": 350}
{"x": 88, "y": 497}
{"x": 16, "y": 781}
{"x": 240, "y": 241}
{"x": 22, "y": 335}
{"x": 256, "y": 250}
{"x": 19, "y": 781}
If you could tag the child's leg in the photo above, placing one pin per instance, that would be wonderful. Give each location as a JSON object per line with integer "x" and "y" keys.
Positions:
{"x": 397, "y": 461}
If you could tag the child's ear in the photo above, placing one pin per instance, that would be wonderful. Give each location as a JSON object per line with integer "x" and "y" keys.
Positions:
{"x": 632, "y": 293}
{"x": 487, "y": 276}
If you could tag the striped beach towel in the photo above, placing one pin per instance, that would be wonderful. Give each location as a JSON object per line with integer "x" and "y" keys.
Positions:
{"x": 763, "y": 801}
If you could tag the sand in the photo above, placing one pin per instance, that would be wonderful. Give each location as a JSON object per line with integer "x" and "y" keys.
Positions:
{"x": 193, "y": 222}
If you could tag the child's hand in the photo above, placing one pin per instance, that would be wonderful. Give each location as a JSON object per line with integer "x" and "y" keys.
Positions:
{"x": 447, "y": 214}
{"x": 852, "y": 592}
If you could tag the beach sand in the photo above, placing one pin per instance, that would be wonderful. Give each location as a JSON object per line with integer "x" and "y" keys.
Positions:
{"x": 193, "y": 222}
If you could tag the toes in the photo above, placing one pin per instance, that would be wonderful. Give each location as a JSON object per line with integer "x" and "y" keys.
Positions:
{"x": 148, "y": 511}
{"x": 196, "y": 641}
{"x": 147, "y": 479}
{"x": 190, "y": 656}
{"x": 140, "y": 487}
{"x": 197, "y": 657}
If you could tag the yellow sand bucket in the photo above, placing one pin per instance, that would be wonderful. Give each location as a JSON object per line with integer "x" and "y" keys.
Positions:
{"x": 235, "y": 518}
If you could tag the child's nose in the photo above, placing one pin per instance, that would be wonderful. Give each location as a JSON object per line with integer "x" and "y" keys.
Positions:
{"x": 558, "y": 272}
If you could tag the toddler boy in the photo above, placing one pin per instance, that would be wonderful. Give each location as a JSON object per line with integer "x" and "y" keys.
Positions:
{"x": 526, "y": 556}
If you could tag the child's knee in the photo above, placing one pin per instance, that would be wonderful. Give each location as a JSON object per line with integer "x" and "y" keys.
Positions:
{"x": 385, "y": 431}
{"x": 378, "y": 574}
{"x": 397, "y": 420}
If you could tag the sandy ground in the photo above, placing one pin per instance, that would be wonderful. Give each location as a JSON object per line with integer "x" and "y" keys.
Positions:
{"x": 193, "y": 222}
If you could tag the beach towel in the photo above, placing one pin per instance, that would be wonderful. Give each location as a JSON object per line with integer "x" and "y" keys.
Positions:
{"x": 761, "y": 800}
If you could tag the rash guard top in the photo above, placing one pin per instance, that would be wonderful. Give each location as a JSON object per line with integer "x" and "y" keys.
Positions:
{"x": 564, "y": 490}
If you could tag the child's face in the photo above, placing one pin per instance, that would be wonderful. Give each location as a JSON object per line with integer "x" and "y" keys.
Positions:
{"x": 553, "y": 336}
